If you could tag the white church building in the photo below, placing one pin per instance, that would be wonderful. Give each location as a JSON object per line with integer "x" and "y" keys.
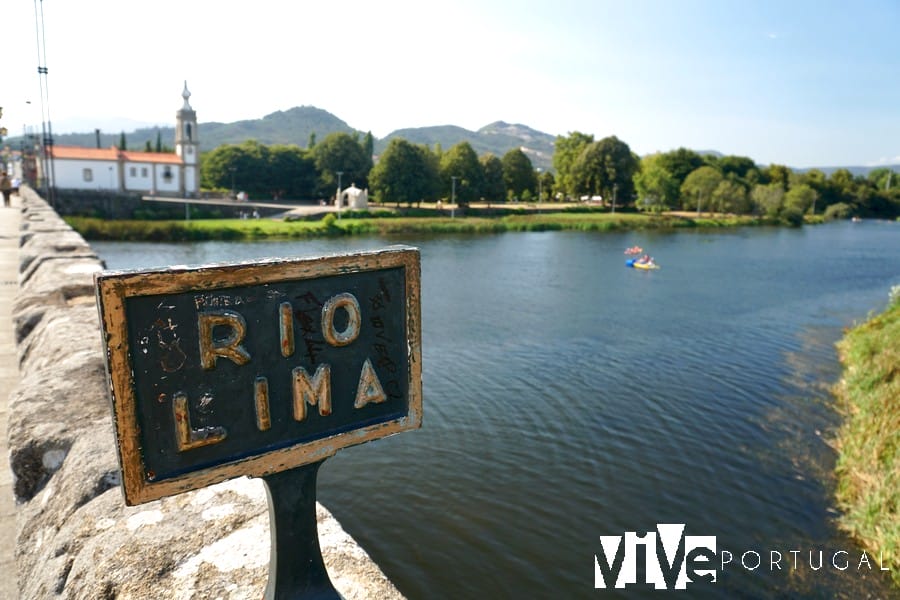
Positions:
{"x": 115, "y": 170}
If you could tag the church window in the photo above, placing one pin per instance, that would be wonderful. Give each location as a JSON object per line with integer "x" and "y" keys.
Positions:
{"x": 87, "y": 174}
{"x": 132, "y": 171}
{"x": 167, "y": 174}
{"x": 143, "y": 171}
{"x": 187, "y": 129}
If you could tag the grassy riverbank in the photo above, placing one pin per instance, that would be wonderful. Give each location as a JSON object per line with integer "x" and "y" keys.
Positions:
{"x": 245, "y": 229}
{"x": 868, "y": 442}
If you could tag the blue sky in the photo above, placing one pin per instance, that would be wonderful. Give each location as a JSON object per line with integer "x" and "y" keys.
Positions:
{"x": 795, "y": 82}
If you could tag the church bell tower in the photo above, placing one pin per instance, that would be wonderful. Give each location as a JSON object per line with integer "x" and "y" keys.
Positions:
{"x": 186, "y": 145}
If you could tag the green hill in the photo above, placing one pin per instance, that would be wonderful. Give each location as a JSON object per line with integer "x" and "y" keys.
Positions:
{"x": 292, "y": 126}
{"x": 497, "y": 138}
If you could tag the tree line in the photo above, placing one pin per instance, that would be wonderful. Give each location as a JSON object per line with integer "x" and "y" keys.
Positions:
{"x": 583, "y": 168}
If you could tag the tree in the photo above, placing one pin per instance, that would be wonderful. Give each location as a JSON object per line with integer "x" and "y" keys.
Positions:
{"x": 680, "y": 163}
{"x": 159, "y": 145}
{"x": 369, "y": 144}
{"x": 769, "y": 198}
{"x": 656, "y": 187}
{"x": 461, "y": 162}
{"x": 841, "y": 183}
{"x": 340, "y": 152}
{"x": 606, "y": 168}
{"x": 546, "y": 184}
{"x": 312, "y": 141}
{"x": 778, "y": 174}
{"x": 730, "y": 196}
{"x": 292, "y": 172}
{"x": 739, "y": 166}
{"x": 245, "y": 165}
{"x": 801, "y": 198}
{"x": 148, "y": 147}
{"x": 566, "y": 151}
{"x": 494, "y": 187}
{"x": 518, "y": 173}
{"x": 883, "y": 178}
{"x": 122, "y": 144}
{"x": 697, "y": 189}
{"x": 405, "y": 173}
{"x": 814, "y": 178}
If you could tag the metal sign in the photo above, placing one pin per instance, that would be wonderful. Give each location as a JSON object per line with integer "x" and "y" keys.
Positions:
{"x": 255, "y": 368}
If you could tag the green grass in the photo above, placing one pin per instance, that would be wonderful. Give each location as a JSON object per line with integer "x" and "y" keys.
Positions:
{"x": 247, "y": 229}
{"x": 868, "y": 441}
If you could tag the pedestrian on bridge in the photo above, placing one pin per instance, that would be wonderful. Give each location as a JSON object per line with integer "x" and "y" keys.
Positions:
{"x": 5, "y": 187}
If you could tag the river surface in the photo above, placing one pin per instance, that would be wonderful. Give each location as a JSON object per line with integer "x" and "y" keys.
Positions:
{"x": 568, "y": 397}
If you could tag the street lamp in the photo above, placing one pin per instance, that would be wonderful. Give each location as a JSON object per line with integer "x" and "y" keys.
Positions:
{"x": 453, "y": 179}
{"x": 615, "y": 190}
{"x": 338, "y": 197}
{"x": 232, "y": 169}
{"x": 540, "y": 189}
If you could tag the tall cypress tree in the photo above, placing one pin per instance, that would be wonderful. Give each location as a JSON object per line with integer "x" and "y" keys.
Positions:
{"x": 122, "y": 145}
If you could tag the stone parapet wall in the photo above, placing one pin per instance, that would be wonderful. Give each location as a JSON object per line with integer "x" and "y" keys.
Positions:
{"x": 75, "y": 536}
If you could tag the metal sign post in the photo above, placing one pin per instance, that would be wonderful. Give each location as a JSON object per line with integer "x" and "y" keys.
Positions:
{"x": 262, "y": 369}
{"x": 296, "y": 568}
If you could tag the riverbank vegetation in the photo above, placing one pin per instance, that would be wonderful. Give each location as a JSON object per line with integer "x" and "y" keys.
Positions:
{"x": 387, "y": 223}
{"x": 868, "y": 442}
{"x": 603, "y": 171}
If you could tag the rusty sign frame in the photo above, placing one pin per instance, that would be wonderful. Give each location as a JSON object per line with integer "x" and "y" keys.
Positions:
{"x": 114, "y": 288}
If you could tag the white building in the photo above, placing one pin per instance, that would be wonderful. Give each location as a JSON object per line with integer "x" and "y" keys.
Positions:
{"x": 111, "y": 169}
{"x": 355, "y": 198}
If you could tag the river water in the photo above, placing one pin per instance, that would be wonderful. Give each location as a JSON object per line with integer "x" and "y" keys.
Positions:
{"x": 567, "y": 397}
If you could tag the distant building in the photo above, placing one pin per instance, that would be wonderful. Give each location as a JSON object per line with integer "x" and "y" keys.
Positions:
{"x": 355, "y": 198}
{"x": 115, "y": 170}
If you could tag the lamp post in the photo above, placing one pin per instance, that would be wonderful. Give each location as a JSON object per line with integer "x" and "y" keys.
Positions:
{"x": 540, "y": 189}
{"x": 338, "y": 197}
{"x": 232, "y": 169}
{"x": 615, "y": 190}
{"x": 453, "y": 179}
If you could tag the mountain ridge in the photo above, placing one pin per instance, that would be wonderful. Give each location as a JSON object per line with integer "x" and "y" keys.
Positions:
{"x": 296, "y": 125}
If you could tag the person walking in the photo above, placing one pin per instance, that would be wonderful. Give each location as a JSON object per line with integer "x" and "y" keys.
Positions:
{"x": 5, "y": 187}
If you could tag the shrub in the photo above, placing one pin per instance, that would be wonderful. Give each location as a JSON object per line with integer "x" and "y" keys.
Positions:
{"x": 841, "y": 210}
{"x": 792, "y": 216}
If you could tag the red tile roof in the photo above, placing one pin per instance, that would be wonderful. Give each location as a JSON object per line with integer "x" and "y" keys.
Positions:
{"x": 152, "y": 157}
{"x": 77, "y": 152}
{"x": 84, "y": 153}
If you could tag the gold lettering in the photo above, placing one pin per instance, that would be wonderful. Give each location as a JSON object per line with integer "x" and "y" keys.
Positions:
{"x": 188, "y": 438}
{"x": 348, "y": 302}
{"x": 261, "y": 395}
{"x": 286, "y": 328}
{"x": 229, "y": 347}
{"x": 369, "y": 388}
{"x": 315, "y": 392}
